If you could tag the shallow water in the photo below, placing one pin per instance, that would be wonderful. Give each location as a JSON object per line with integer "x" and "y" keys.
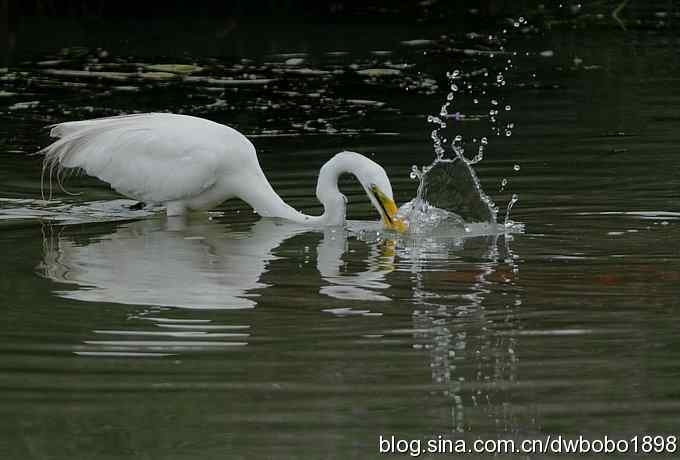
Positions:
{"x": 130, "y": 335}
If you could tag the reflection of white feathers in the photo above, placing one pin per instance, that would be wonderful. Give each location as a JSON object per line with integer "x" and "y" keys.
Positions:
{"x": 199, "y": 265}
{"x": 364, "y": 285}
{"x": 145, "y": 263}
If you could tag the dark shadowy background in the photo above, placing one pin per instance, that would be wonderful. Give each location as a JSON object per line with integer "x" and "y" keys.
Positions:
{"x": 33, "y": 26}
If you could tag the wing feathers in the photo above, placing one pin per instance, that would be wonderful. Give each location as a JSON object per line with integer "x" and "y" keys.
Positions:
{"x": 149, "y": 157}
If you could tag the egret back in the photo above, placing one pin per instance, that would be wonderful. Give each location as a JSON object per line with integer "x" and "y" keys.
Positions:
{"x": 153, "y": 157}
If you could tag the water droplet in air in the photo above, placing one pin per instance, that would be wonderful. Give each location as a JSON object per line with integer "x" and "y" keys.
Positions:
{"x": 494, "y": 102}
{"x": 516, "y": 167}
{"x": 416, "y": 173}
{"x": 449, "y": 97}
{"x": 508, "y": 132}
{"x": 476, "y": 101}
{"x": 507, "y": 107}
{"x": 454, "y": 88}
{"x": 516, "y": 24}
{"x": 485, "y": 141}
{"x": 513, "y": 200}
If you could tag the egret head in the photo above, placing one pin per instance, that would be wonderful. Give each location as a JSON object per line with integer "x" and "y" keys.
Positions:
{"x": 377, "y": 185}
{"x": 373, "y": 179}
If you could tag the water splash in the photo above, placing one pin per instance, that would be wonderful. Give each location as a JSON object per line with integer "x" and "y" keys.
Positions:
{"x": 507, "y": 223}
{"x": 450, "y": 194}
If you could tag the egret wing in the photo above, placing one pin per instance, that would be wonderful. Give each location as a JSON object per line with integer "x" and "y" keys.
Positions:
{"x": 149, "y": 157}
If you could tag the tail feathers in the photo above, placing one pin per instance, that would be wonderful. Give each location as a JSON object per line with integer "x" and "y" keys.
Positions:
{"x": 76, "y": 140}
{"x": 72, "y": 127}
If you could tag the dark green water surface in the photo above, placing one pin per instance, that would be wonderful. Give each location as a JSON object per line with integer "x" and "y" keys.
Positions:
{"x": 225, "y": 336}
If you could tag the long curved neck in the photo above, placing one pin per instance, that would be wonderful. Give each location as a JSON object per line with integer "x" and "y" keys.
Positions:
{"x": 265, "y": 201}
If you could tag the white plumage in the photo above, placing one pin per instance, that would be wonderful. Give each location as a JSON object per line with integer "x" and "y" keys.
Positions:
{"x": 189, "y": 163}
{"x": 149, "y": 157}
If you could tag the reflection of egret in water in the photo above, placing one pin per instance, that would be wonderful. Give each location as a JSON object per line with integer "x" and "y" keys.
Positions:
{"x": 199, "y": 265}
{"x": 161, "y": 264}
{"x": 356, "y": 285}
{"x": 469, "y": 354}
{"x": 168, "y": 263}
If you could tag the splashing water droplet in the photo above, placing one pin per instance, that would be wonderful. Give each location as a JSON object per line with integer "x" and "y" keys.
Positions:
{"x": 415, "y": 173}
{"x": 431, "y": 186}
{"x": 479, "y": 157}
{"x": 516, "y": 167}
{"x": 436, "y": 120}
{"x": 457, "y": 146}
{"x": 507, "y": 222}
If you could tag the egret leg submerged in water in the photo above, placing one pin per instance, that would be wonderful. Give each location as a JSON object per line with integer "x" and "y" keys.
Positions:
{"x": 189, "y": 163}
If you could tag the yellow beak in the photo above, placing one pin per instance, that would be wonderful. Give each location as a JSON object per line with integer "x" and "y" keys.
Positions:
{"x": 389, "y": 213}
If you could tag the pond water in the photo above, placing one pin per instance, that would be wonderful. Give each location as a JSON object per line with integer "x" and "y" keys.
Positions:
{"x": 126, "y": 334}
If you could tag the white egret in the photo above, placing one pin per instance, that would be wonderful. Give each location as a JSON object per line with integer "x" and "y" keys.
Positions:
{"x": 189, "y": 163}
